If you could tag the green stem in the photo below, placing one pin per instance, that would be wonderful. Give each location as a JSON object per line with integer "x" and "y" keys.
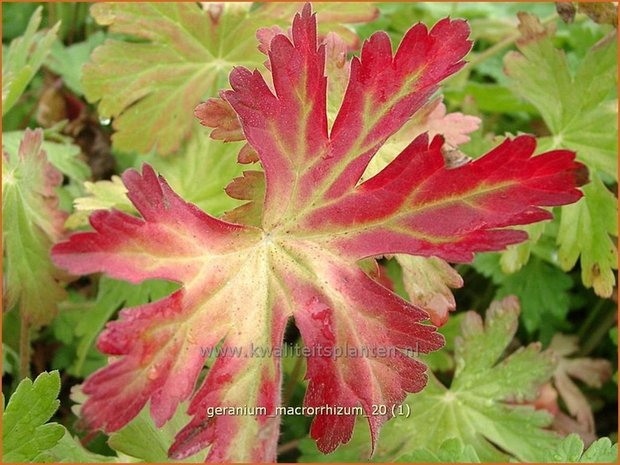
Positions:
{"x": 591, "y": 320}
{"x": 290, "y": 385}
{"x": 502, "y": 44}
{"x": 598, "y": 332}
{"x": 24, "y": 348}
{"x": 51, "y": 14}
{"x": 288, "y": 446}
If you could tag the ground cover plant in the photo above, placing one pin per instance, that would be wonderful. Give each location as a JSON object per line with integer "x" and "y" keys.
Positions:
{"x": 295, "y": 232}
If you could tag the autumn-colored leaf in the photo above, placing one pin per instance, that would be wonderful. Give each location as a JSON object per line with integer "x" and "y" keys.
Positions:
{"x": 149, "y": 86}
{"x": 31, "y": 223}
{"x": 481, "y": 404}
{"x": 425, "y": 282}
{"x": 592, "y": 372}
{"x": 242, "y": 282}
{"x": 217, "y": 114}
{"x": 428, "y": 282}
{"x": 174, "y": 56}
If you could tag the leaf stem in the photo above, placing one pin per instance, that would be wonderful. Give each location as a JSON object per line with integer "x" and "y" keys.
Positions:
{"x": 24, "y": 347}
{"x": 290, "y": 385}
{"x": 594, "y": 315}
{"x": 287, "y": 446}
{"x": 502, "y": 44}
{"x": 598, "y": 332}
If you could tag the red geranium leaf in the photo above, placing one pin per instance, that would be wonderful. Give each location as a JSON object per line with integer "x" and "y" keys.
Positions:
{"x": 297, "y": 255}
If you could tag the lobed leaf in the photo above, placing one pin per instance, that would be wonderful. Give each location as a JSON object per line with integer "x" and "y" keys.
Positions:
{"x": 543, "y": 288}
{"x": 428, "y": 282}
{"x": 571, "y": 450}
{"x": 100, "y": 195}
{"x": 432, "y": 118}
{"x": 23, "y": 59}
{"x": 32, "y": 223}
{"x": 183, "y": 53}
{"x": 297, "y": 255}
{"x": 581, "y": 114}
{"x": 111, "y": 296}
{"x": 479, "y": 407}
{"x": 587, "y": 232}
{"x": 26, "y": 437}
{"x": 141, "y": 439}
{"x": 149, "y": 86}
{"x": 574, "y": 106}
{"x": 65, "y": 157}
{"x": 592, "y": 372}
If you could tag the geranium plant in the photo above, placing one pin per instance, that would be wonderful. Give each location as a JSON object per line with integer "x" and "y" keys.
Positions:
{"x": 314, "y": 221}
{"x": 349, "y": 160}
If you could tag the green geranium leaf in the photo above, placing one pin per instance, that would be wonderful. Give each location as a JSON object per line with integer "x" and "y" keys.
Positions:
{"x": 25, "y": 435}
{"x": 489, "y": 97}
{"x": 570, "y": 450}
{"x": 586, "y": 230}
{"x": 517, "y": 255}
{"x": 201, "y": 171}
{"x": 69, "y": 450}
{"x": 451, "y": 451}
{"x": 142, "y": 440}
{"x": 100, "y": 195}
{"x": 67, "y": 61}
{"x": 575, "y": 107}
{"x": 23, "y": 59}
{"x": 578, "y": 111}
{"x": 543, "y": 289}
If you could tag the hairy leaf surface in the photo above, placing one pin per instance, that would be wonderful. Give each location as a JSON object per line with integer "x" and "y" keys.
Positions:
{"x": 241, "y": 282}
